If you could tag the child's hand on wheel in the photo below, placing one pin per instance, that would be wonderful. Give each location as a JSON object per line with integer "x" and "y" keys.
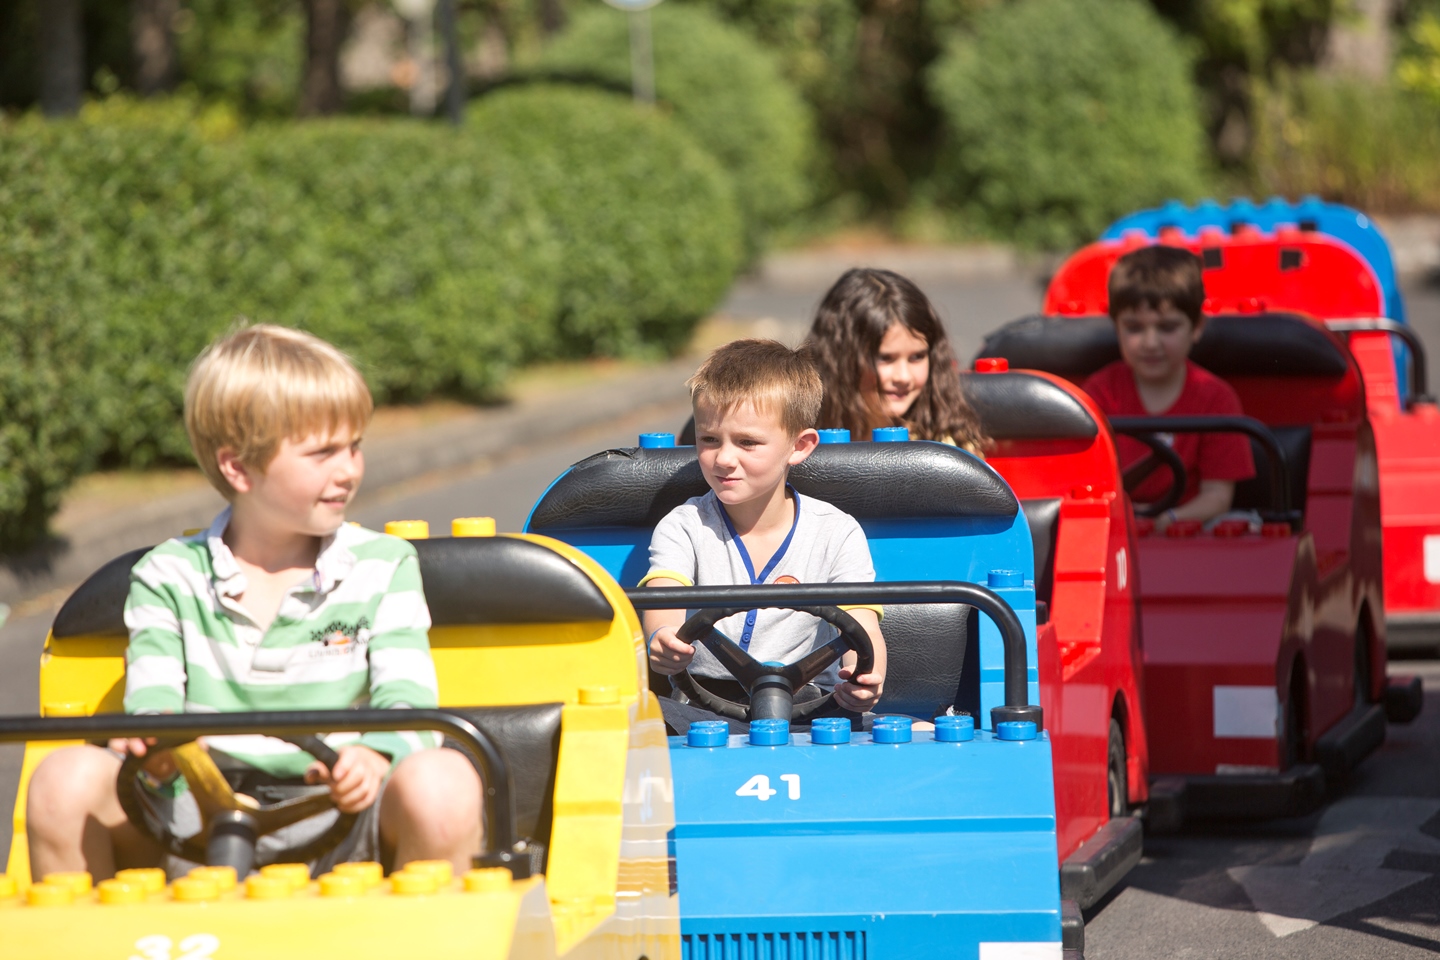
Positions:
{"x": 669, "y": 654}
{"x": 859, "y": 694}
{"x": 355, "y": 782}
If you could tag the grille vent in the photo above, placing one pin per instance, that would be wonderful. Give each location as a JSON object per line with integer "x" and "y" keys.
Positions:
{"x": 799, "y": 945}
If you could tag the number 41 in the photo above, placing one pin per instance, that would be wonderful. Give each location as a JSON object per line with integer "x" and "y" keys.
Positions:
{"x": 759, "y": 787}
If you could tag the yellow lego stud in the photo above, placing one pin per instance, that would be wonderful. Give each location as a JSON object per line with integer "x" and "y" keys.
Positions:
{"x": 408, "y": 529}
{"x": 370, "y": 872}
{"x": 442, "y": 870}
{"x": 79, "y": 881}
{"x": 296, "y": 874}
{"x": 116, "y": 892}
{"x": 472, "y": 527}
{"x": 260, "y": 887}
{"x": 64, "y": 709}
{"x": 224, "y": 877}
{"x": 50, "y": 895}
{"x": 195, "y": 889}
{"x": 598, "y": 696}
{"x": 341, "y": 885}
{"x": 150, "y": 879}
{"x": 417, "y": 884}
{"x": 8, "y": 887}
{"x": 487, "y": 880}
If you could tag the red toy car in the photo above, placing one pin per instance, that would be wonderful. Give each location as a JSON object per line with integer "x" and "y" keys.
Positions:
{"x": 1052, "y": 450}
{"x": 1263, "y": 644}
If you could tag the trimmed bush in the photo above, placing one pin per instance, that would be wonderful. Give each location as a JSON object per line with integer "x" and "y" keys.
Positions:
{"x": 49, "y": 407}
{"x": 724, "y": 87}
{"x": 651, "y": 233}
{"x": 1064, "y": 114}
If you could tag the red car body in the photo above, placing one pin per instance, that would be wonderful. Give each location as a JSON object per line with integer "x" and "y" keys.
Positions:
{"x": 1263, "y": 651}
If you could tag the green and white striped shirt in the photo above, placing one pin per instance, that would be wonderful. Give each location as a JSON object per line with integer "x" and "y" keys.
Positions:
{"x": 354, "y": 635}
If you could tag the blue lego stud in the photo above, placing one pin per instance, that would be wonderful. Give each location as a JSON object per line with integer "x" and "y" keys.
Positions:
{"x": 830, "y": 730}
{"x": 770, "y": 733}
{"x": 707, "y": 733}
{"x": 892, "y": 730}
{"x": 834, "y": 435}
{"x": 954, "y": 729}
{"x": 656, "y": 441}
{"x": 890, "y": 434}
{"x": 1005, "y": 578}
{"x": 1015, "y": 730}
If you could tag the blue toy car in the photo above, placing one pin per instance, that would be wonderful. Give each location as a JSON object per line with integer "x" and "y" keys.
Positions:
{"x": 893, "y": 841}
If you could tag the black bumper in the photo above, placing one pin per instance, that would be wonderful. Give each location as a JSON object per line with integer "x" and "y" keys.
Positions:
{"x": 1093, "y": 870}
{"x": 1248, "y": 796}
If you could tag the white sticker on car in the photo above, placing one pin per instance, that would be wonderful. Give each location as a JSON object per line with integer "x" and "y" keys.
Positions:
{"x": 1021, "y": 951}
{"x": 1432, "y": 558}
{"x": 1247, "y": 712}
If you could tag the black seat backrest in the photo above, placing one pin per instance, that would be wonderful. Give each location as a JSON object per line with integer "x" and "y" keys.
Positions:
{"x": 1247, "y": 345}
{"x": 635, "y": 488}
{"x": 1022, "y": 406}
{"x": 934, "y": 659}
{"x": 1043, "y": 516}
{"x": 1254, "y": 494}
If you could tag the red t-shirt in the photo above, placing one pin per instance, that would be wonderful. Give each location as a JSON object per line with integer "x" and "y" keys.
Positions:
{"x": 1206, "y": 456}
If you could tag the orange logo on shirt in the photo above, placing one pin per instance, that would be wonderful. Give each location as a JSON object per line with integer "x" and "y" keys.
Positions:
{"x": 785, "y": 579}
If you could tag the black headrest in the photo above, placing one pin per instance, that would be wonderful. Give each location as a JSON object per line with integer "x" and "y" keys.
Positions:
{"x": 97, "y": 606}
{"x": 468, "y": 580}
{"x": 635, "y": 487}
{"x": 1233, "y": 345}
{"x": 495, "y": 580}
{"x": 1022, "y": 406}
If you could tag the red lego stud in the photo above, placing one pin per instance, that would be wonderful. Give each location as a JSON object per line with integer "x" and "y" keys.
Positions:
{"x": 1082, "y": 492}
{"x": 1275, "y": 530}
{"x": 1231, "y": 528}
{"x": 991, "y": 365}
{"x": 1144, "y": 526}
{"x": 1184, "y": 529}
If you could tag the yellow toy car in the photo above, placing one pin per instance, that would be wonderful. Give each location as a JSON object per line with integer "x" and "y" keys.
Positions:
{"x": 542, "y": 674}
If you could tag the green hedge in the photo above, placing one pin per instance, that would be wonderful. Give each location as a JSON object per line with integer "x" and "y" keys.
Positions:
{"x": 1066, "y": 113}
{"x": 438, "y": 258}
{"x": 725, "y": 88}
{"x": 650, "y": 234}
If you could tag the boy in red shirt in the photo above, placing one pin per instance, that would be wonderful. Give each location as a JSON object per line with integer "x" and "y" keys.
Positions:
{"x": 1155, "y": 299}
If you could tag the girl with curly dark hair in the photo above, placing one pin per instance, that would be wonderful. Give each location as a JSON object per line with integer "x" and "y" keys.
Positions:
{"x": 885, "y": 361}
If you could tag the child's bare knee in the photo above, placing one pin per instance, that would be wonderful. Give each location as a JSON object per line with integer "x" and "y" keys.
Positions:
{"x": 71, "y": 784}
{"x": 436, "y": 784}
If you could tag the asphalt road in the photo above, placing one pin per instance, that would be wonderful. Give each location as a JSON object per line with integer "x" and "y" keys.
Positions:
{"x": 1359, "y": 879}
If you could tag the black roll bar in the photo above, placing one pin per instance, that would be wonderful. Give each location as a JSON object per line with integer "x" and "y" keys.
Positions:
{"x": 1012, "y": 634}
{"x": 502, "y": 848}
{"x": 1419, "y": 385}
{"x": 1278, "y": 463}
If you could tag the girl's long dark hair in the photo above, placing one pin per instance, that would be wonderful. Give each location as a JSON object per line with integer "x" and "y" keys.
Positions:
{"x": 844, "y": 340}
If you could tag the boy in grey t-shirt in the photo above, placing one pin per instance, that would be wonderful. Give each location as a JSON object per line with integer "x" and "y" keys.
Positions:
{"x": 756, "y": 402}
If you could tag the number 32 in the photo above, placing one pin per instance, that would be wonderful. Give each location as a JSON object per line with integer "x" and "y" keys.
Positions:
{"x": 201, "y": 946}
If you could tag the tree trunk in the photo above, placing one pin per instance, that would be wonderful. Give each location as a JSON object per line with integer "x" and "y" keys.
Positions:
{"x": 1361, "y": 46}
{"x": 62, "y": 57}
{"x": 154, "y": 44}
{"x": 326, "y": 23}
{"x": 552, "y": 17}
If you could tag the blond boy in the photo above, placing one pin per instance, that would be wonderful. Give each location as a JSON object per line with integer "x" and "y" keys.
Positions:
{"x": 278, "y": 605}
{"x": 755, "y": 403}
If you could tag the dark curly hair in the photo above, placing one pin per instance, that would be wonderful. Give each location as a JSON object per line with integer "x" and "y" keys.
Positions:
{"x": 844, "y": 340}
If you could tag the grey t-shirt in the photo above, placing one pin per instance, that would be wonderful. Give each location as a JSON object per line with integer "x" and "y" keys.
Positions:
{"x": 693, "y": 545}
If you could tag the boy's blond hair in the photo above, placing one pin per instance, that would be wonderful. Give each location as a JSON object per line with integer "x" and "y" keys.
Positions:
{"x": 261, "y": 385}
{"x": 765, "y": 373}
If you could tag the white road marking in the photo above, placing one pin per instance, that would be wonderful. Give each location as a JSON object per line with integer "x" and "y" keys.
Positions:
{"x": 1343, "y": 870}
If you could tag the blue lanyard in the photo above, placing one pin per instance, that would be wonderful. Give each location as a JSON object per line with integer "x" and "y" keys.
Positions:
{"x": 769, "y": 567}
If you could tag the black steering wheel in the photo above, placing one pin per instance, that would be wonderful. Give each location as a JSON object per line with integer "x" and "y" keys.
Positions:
{"x": 231, "y": 823}
{"x": 771, "y": 686}
{"x": 1161, "y": 455}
